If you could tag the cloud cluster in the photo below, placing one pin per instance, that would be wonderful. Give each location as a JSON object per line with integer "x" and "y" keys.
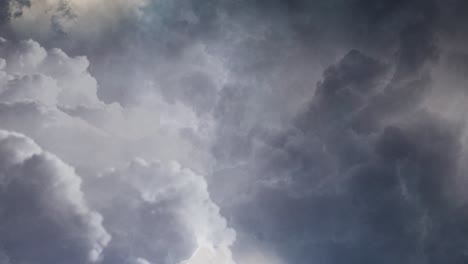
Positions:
{"x": 340, "y": 188}
{"x": 325, "y": 131}
{"x": 44, "y": 217}
{"x": 62, "y": 80}
{"x": 155, "y": 212}
{"x": 52, "y": 98}
{"x": 162, "y": 213}
{"x": 368, "y": 170}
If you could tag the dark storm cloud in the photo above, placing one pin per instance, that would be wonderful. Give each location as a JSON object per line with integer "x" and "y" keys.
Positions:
{"x": 340, "y": 196}
{"x": 364, "y": 174}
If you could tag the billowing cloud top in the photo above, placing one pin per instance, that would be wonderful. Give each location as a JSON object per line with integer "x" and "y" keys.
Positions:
{"x": 44, "y": 215}
{"x": 233, "y": 132}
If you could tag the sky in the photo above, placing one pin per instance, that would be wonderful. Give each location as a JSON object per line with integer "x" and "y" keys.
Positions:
{"x": 233, "y": 131}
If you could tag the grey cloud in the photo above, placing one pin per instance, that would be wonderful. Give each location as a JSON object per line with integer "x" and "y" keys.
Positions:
{"x": 196, "y": 89}
{"x": 331, "y": 187}
{"x": 342, "y": 197}
{"x": 12, "y": 8}
{"x": 161, "y": 213}
{"x": 38, "y": 87}
{"x": 351, "y": 180}
{"x": 52, "y": 98}
{"x": 44, "y": 216}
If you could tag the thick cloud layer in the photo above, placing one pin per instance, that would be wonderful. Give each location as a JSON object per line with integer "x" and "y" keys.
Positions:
{"x": 248, "y": 132}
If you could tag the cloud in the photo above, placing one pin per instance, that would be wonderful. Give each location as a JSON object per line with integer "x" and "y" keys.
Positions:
{"x": 44, "y": 215}
{"x": 62, "y": 80}
{"x": 52, "y": 98}
{"x": 161, "y": 213}
{"x": 358, "y": 176}
{"x": 329, "y": 191}
{"x": 87, "y": 19}
{"x": 325, "y": 131}
{"x": 166, "y": 209}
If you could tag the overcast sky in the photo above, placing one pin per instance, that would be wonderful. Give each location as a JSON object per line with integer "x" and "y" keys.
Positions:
{"x": 233, "y": 131}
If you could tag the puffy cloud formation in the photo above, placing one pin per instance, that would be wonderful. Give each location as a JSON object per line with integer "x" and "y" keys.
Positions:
{"x": 158, "y": 212}
{"x": 161, "y": 213}
{"x": 44, "y": 217}
{"x": 52, "y": 98}
{"x": 29, "y": 72}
